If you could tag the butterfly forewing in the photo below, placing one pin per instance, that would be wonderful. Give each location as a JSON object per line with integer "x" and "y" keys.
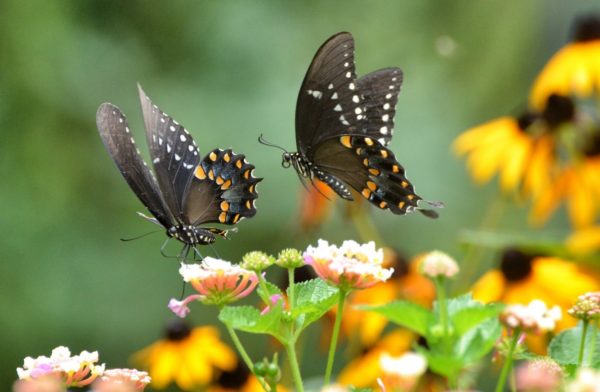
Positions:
{"x": 173, "y": 152}
{"x": 223, "y": 189}
{"x": 329, "y": 102}
{"x": 120, "y": 144}
{"x": 380, "y": 91}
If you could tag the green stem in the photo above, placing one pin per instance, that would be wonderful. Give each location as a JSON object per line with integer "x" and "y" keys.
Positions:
{"x": 263, "y": 288}
{"x": 291, "y": 288}
{"x": 245, "y": 357}
{"x": 443, "y": 309}
{"x": 334, "y": 336}
{"x": 586, "y": 323}
{"x": 592, "y": 350}
{"x": 508, "y": 361}
{"x": 291, "y": 353}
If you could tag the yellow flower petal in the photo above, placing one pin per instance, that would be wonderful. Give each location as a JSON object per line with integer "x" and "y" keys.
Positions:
{"x": 515, "y": 165}
{"x": 490, "y": 287}
{"x": 573, "y": 70}
{"x": 584, "y": 240}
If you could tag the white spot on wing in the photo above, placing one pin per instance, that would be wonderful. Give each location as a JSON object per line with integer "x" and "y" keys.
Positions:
{"x": 160, "y": 141}
{"x": 334, "y": 96}
{"x": 383, "y": 130}
{"x": 330, "y": 87}
{"x": 338, "y": 108}
{"x": 168, "y": 147}
{"x": 351, "y": 86}
{"x": 182, "y": 138}
{"x": 385, "y": 117}
{"x": 156, "y": 160}
{"x": 172, "y": 128}
{"x": 386, "y": 106}
{"x": 343, "y": 120}
{"x": 177, "y": 157}
{"x": 355, "y": 99}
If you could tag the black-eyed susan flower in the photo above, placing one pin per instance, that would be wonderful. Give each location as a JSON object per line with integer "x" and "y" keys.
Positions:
{"x": 575, "y": 69}
{"x": 584, "y": 240}
{"x": 521, "y": 150}
{"x": 522, "y": 278}
{"x": 217, "y": 282}
{"x": 71, "y": 370}
{"x": 350, "y": 266}
{"x": 190, "y": 358}
{"x": 364, "y": 371}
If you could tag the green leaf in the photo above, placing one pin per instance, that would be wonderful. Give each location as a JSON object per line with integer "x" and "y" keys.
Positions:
{"x": 406, "y": 314}
{"x": 249, "y": 319}
{"x": 440, "y": 363}
{"x": 564, "y": 348}
{"x": 312, "y": 299}
{"x": 475, "y": 313}
{"x": 457, "y": 304}
{"x": 266, "y": 291}
{"x": 476, "y": 342}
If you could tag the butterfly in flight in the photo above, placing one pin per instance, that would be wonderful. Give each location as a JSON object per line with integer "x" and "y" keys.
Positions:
{"x": 343, "y": 125}
{"x": 184, "y": 191}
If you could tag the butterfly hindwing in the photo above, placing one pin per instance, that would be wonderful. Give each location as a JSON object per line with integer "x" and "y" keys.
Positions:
{"x": 117, "y": 138}
{"x": 369, "y": 168}
{"x": 329, "y": 102}
{"x": 223, "y": 189}
{"x": 174, "y": 154}
{"x": 380, "y": 90}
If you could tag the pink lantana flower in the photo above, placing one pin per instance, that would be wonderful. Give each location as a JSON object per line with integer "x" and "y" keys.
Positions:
{"x": 351, "y": 266}
{"x": 74, "y": 371}
{"x": 217, "y": 282}
{"x": 122, "y": 380}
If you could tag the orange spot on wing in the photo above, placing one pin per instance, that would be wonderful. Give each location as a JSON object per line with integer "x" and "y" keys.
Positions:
{"x": 226, "y": 157}
{"x": 371, "y": 185}
{"x": 224, "y": 206}
{"x": 212, "y": 156}
{"x": 383, "y": 204}
{"x": 200, "y": 173}
{"x": 226, "y": 185}
{"x": 238, "y": 164}
{"x": 366, "y": 193}
{"x": 346, "y": 141}
{"x": 222, "y": 217}
{"x": 374, "y": 172}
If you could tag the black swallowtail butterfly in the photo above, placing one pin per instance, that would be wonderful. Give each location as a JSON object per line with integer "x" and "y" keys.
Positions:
{"x": 186, "y": 191}
{"x": 343, "y": 125}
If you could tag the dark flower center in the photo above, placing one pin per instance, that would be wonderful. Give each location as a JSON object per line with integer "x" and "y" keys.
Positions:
{"x": 235, "y": 378}
{"x": 559, "y": 109}
{"x": 177, "y": 330}
{"x": 515, "y": 265}
{"x": 400, "y": 265}
{"x": 592, "y": 147}
{"x": 586, "y": 28}
{"x": 525, "y": 120}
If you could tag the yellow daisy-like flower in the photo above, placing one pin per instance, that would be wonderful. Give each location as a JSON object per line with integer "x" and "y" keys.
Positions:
{"x": 523, "y": 278}
{"x": 239, "y": 380}
{"x": 520, "y": 150}
{"x": 363, "y": 372}
{"x": 573, "y": 70}
{"x": 191, "y": 358}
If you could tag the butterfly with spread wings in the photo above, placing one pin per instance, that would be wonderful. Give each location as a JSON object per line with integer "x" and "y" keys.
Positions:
{"x": 343, "y": 125}
{"x": 184, "y": 191}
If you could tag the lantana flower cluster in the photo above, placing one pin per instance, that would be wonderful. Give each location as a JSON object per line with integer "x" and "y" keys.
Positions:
{"x": 350, "y": 266}
{"x": 72, "y": 370}
{"x": 62, "y": 370}
{"x": 587, "y": 307}
{"x": 534, "y": 317}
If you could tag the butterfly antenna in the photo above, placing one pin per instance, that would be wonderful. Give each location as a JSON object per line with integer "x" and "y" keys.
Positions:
{"x": 262, "y": 140}
{"x": 139, "y": 236}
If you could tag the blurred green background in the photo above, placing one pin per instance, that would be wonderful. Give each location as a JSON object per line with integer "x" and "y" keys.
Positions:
{"x": 227, "y": 70}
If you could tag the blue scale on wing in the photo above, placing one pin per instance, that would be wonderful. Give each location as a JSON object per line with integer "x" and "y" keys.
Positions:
{"x": 223, "y": 189}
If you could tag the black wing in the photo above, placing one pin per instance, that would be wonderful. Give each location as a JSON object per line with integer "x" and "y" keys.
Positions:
{"x": 173, "y": 152}
{"x": 380, "y": 91}
{"x": 372, "y": 170}
{"x": 329, "y": 102}
{"x": 223, "y": 189}
{"x": 119, "y": 142}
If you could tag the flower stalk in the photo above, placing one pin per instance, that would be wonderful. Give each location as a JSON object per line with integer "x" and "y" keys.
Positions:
{"x": 244, "y": 354}
{"x": 509, "y": 359}
{"x": 291, "y": 353}
{"x": 334, "y": 336}
{"x": 584, "y": 330}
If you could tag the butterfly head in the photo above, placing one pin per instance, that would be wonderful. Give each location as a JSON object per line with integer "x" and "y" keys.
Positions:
{"x": 286, "y": 160}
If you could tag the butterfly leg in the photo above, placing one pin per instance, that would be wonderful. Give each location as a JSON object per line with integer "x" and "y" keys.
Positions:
{"x": 162, "y": 249}
{"x": 197, "y": 253}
